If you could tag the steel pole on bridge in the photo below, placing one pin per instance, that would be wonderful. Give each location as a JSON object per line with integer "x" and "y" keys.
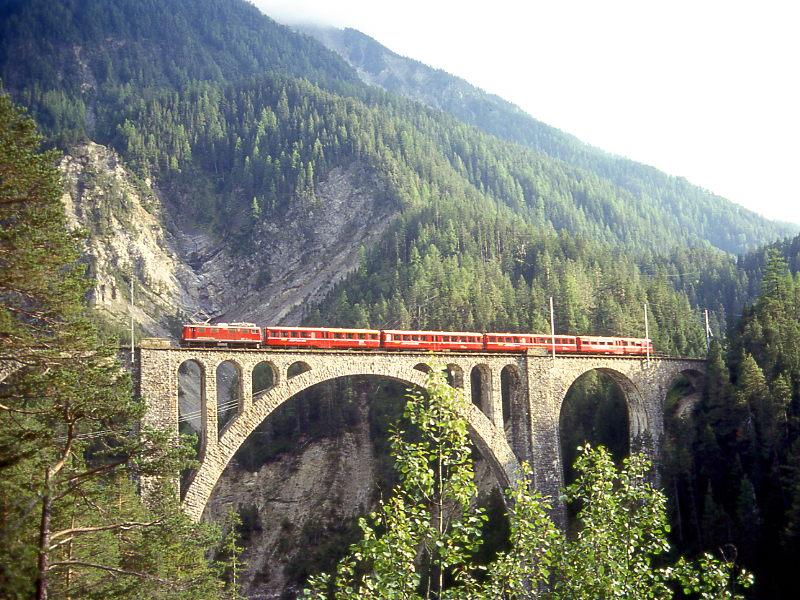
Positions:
{"x": 552, "y": 328}
{"x": 646, "y": 334}
{"x": 133, "y": 359}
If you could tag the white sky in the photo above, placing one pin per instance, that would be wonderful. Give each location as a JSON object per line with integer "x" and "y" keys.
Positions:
{"x": 706, "y": 89}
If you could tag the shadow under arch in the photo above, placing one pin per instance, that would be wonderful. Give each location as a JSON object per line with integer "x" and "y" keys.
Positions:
{"x": 481, "y": 386}
{"x": 230, "y": 394}
{"x": 192, "y": 415}
{"x": 683, "y": 392}
{"x": 265, "y": 377}
{"x": 493, "y": 447}
{"x": 297, "y": 368}
{"x": 455, "y": 376}
{"x": 604, "y": 407}
{"x": 516, "y": 419}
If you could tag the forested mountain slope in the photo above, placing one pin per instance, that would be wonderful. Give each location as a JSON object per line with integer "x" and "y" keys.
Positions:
{"x": 726, "y": 226}
{"x": 250, "y": 136}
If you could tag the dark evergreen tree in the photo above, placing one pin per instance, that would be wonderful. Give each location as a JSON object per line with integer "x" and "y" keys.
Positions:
{"x": 71, "y": 522}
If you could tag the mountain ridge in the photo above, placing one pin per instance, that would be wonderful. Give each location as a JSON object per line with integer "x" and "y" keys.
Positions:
{"x": 380, "y": 66}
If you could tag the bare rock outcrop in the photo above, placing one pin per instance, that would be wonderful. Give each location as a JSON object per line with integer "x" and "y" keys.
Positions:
{"x": 134, "y": 230}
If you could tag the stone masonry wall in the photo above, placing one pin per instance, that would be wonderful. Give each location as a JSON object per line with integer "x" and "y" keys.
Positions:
{"x": 530, "y": 432}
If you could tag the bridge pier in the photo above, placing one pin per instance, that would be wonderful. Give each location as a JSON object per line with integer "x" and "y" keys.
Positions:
{"x": 536, "y": 387}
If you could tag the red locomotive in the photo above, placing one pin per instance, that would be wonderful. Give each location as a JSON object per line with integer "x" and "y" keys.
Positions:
{"x": 242, "y": 335}
{"x": 248, "y": 335}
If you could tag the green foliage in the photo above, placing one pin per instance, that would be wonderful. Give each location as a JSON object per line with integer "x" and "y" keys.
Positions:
{"x": 71, "y": 522}
{"x": 228, "y": 555}
{"x": 421, "y": 541}
{"x": 740, "y": 490}
{"x": 429, "y": 517}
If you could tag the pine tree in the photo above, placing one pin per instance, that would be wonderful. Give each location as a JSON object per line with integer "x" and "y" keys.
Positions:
{"x": 71, "y": 523}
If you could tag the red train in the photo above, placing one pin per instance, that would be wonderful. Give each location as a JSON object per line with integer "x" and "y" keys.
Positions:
{"x": 248, "y": 335}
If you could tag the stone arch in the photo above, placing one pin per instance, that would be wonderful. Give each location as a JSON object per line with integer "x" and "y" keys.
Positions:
{"x": 516, "y": 420}
{"x": 481, "y": 387}
{"x": 192, "y": 411}
{"x": 692, "y": 378}
{"x": 192, "y": 403}
{"x": 264, "y": 378}
{"x": 635, "y": 407}
{"x": 491, "y": 444}
{"x": 455, "y": 376}
{"x": 297, "y": 368}
{"x": 682, "y": 394}
{"x": 638, "y": 420}
{"x": 230, "y": 393}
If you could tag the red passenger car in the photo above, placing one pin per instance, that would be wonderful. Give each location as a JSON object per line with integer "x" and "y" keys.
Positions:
{"x": 520, "y": 342}
{"x": 243, "y": 335}
{"x": 435, "y": 341}
{"x": 614, "y": 345}
{"x": 321, "y": 337}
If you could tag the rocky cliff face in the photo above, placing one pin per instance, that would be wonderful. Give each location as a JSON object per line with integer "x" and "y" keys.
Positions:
{"x": 126, "y": 237}
{"x": 295, "y": 502}
{"x": 178, "y": 269}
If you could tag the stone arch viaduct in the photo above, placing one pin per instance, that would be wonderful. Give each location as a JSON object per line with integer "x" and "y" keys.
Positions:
{"x": 514, "y": 415}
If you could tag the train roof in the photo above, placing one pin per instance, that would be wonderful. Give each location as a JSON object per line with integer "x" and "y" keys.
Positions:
{"x": 526, "y": 334}
{"x": 337, "y": 329}
{"x": 608, "y": 337}
{"x": 222, "y": 325}
{"x": 393, "y": 331}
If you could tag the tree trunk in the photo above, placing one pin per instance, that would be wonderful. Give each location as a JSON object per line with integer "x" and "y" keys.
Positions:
{"x": 44, "y": 541}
